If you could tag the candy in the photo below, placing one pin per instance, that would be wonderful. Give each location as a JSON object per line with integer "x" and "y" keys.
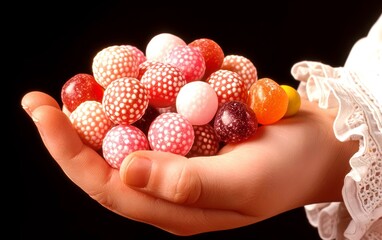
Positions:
{"x": 243, "y": 66}
{"x": 79, "y": 88}
{"x": 235, "y": 122}
{"x": 228, "y": 86}
{"x": 145, "y": 121}
{"x": 189, "y": 60}
{"x": 144, "y": 66}
{"x": 125, "y": 100}
{"x": 212, "y": 53}
{"x": 162, "y": 83}
{"x": 294, "y": 100}
{"x": 91, "y": 123}
{"x": 120, "y": 141}
{"x": 268, "y": 100}
{"x": 185, "y": 99}
{"x": 159, "y": 46}
{"x": 197, "y": 101}
{"x": 139, "y": 55}
{"x": 114, "y": 62}
{"x": 206, "y": 142}
{"x": 171, "y": 132}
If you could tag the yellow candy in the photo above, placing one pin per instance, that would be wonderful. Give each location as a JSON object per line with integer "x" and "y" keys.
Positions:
{"x": 294, "y": 100}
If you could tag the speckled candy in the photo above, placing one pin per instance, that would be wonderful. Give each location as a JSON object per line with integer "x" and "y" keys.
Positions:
{"x": 162, "y": 82}
{"x": 125, "y": 100}
{"x": 115, "y": 62}
{"x": 235, "y": 122}
{"x": 91, "y": 123}
{"x": 206, "y": 142}
{"x": 243, "y": 66}
{"x": 228, "y": 85}
{"x": 171, "y": 132}
{"x": 120, "y": 141}
{"x": 197, "y": 101}
{"x": 189, "y": 60}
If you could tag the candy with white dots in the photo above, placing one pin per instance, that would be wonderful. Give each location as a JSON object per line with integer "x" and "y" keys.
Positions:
{"x": 228, "y": 85}
{"x": 162, "y": 82}
{"x": 243, "y": 66}
{"x": 171, "y": 132}
{"x": 125, "y": 100}
{"x": 115, "y": 62}
{"x": 189, "y": 60}
{"x": 91, "y": 123}
{"x": 120, "y": 141}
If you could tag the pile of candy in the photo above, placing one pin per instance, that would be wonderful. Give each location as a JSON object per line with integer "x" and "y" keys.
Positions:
{"x": 188, "y": 99}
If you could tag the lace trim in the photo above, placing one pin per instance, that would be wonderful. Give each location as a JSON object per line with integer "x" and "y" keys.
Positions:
{"x": 359, "y": 118}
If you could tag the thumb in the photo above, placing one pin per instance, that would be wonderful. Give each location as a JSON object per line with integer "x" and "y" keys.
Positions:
{"x": 217, "y": 182}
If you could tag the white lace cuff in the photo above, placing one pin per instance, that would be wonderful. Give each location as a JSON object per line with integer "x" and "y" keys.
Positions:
{"x": 359, "y": 118}
{"x": 356, "y": 89}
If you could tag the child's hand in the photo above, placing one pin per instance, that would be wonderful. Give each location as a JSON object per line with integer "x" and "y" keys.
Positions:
{"x": 291, "y": 163}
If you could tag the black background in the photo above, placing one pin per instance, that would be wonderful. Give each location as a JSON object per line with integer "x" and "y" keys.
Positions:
{"x": 54, "y": 41}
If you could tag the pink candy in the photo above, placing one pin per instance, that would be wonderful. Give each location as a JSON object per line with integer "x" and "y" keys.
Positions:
{"x": 197, "y": 101}
{"x": 171, "y": 132}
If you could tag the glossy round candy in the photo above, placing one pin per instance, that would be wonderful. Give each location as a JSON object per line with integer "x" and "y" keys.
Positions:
{"x": 162, "y": 82}
{"x": 206, "y": 142}
{"x": 268, "y": 100}
{"x": 228, "y": 85}
{"x": 171, "y": 132}
{"x": 91, "y": 123}
{"x": 294, "y": 100}
{"x": 115, "y": 62}
{"x": 212, "y": 52}
{"x": 197, "y": 101}
{"x": 189, "y": 60}
{"x": 159, "y": 46}
{"x": 235, "y": 122}
{"x": 243, "y": 66}
{"x": 125, "y": 100}
{"x": 80, "y": 88}
{"x": 120, "y": 141}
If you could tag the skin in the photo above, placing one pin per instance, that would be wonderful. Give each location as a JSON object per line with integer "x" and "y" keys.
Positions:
{"x": 289, "y": 164}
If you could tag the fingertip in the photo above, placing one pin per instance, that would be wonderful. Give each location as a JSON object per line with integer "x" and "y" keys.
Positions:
{"x": 35, "y": 99}
{"x": 135, "y": 170}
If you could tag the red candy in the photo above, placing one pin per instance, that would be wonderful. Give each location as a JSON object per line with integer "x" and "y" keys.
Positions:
{"x": 212, "y": 52}
{"x": 125, "y": 100}
{"x": 163, "y": 83}
{"x": 79, "y": 88}
{"x": 228, "y": 86}
{"x": 171, "y": 132}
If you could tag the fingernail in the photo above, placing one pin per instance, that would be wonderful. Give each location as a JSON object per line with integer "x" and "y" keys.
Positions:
{"x": 138, "y": 172}
{"x": 26, "y": 109}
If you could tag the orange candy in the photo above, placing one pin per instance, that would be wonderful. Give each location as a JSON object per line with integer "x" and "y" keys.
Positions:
{"x": 268, "y": 100}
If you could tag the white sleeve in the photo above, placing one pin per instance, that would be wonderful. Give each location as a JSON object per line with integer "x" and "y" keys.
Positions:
{"x": 356, "y": 89}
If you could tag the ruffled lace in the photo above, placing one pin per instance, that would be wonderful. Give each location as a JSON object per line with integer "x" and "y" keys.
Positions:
{"x": 356, "y": 89}
{"x": 359, "y": 118}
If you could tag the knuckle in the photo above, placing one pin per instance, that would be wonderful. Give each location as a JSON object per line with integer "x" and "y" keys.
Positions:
{"x": 188, "y": 187}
